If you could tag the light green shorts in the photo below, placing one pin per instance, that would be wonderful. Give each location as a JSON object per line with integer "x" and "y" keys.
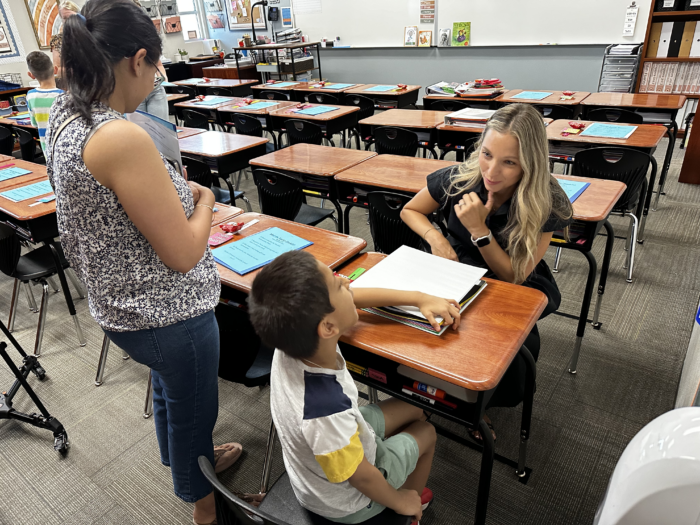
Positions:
{"x": 396, "y": 459}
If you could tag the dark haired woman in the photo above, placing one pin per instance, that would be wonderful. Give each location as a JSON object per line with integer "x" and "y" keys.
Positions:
{"x": 137, "y": 233}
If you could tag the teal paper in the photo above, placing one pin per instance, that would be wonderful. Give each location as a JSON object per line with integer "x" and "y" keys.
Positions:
{"x": 213, "y": 100}
{"x": 573, "y": 188}
{"x": 338, "y": 86}
{"x": 258, "y": 250}
{"x": 316, "y": 110}
{"x": 11, "y": 173}
{"x": 20, "y": 117}
{"x": 382, "y": 88}
{"x": 608, "y": 131}
{"x": 281, "y": 84}
{"x": 532, "y": 95}
{"x": 259, "y": 105}
{"x": 28, "y": 192}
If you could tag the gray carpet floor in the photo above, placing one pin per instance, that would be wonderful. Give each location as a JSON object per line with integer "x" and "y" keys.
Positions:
{"x": 628, "y": 374}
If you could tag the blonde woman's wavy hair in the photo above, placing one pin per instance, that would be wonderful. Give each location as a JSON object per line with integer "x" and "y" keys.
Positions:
{"x": 537, "y": 196}
{"x": 66, "y": 4}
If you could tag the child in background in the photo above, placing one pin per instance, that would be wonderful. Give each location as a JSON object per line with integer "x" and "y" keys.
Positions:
{"x": 40, "y": 100}
{"x": 345, "y": 463}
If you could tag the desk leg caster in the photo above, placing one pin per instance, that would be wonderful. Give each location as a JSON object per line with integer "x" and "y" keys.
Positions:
{"x": 60, "y": 443}
{"x": 574, "y": 358}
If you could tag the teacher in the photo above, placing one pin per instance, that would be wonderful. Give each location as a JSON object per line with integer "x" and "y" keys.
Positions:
{"x": 502, "y": 207}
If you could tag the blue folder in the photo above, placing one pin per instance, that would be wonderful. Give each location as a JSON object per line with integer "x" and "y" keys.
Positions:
{"x": 381, "y": 88}
{"x": 573, "y": 188}
{"x": 210, "y": 101}
{"x": 28, "y": 192}
{"x": 258, "y": 250}
{"x": 316, "y": 110}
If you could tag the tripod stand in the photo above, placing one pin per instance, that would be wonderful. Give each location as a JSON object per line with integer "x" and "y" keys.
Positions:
{"x": 29, "y": 364}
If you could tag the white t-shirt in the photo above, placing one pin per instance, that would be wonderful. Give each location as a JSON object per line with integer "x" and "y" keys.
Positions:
{"x": 323, "y": 434}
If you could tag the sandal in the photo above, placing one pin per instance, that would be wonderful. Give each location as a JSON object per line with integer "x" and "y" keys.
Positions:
{"x": 476, "y": 435}
{"x": 225, "y": 456}
{"x": 210, "y": 523}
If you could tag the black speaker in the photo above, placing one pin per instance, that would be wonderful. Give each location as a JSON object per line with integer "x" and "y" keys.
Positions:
{"x": 273, "y": 14}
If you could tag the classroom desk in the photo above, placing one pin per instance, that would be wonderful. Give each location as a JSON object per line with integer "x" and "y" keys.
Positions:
{"x": 645, "y": 138}
{"x": 315, "y": 166}
{"x": 552, "y": 100}
{"x": 263, "y": 115}
{"x": 238, "y": 87}
{"x": 308, "y": 89}
{"x": 209, "y": 109}
{"x": 287, "y": 91}
{"x": 224, "y": 213}
{"x": 655, "y": 109}
{"x": 332, "y": 122}
{"x": 388, "y": 99}
{"x": 12, "y": 122}
{"x": 183, "y": 132}
{"x": 227, "y": 151}
{"x": 474, "y": 357}
{"x": 405, "y": 175}
{"x": 174, "y": 97}
{"x": 38, "y": 173}
{"x": 226, "y": 71}
{"x": 331, "y": 248}
{"x": 475, "y": 102}
{"x": 423, "y": 123}
{"x": 6, "y": 158}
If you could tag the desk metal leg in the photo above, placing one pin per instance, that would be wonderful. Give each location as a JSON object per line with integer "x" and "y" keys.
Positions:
{"x": 13, "y": 306}
{"x": 603, "y": 273}
{"x": 557, "y": 258}
{"x": 647, "y": 202}
{"x": 339, "y": 225}
{"x": 583, "y": 318}
{"x": 346, "y": 219}
{"x": 530, "y": 375}
{"x": 482, "y": 497}
{"x": 66, "y": 293}
{"x": 672, "y": 132}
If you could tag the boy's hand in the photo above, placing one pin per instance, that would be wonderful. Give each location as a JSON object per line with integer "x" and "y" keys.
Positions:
{"x": 408, "y": 504}
{"x": 431, "y": 307}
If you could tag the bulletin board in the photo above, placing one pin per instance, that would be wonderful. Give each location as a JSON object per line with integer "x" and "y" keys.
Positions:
{"x": 239, "y": 15}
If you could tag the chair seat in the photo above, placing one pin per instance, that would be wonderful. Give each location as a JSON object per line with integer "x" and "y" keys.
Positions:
{"x": 259, "y": 372}
{"x": 221, "y": 195}
{"x": 281, "y": 503}
{"x": 39, "y": 263}
{"x": 312, "y": 215}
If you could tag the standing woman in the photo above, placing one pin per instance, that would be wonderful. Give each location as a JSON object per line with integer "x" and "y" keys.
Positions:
{"x": 502, "y": 206}
{"x": 137, "y": 232}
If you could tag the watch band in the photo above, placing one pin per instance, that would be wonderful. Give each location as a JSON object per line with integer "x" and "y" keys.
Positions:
{"x": 482, "y": 241}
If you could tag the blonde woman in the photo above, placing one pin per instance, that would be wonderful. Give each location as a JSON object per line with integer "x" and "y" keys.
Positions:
{"x": 502, "y": 206}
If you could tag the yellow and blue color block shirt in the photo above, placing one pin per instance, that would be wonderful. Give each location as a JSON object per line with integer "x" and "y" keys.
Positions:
{"x": 39, "y": 102}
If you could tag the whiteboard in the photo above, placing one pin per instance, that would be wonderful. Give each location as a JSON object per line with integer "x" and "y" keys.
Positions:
{"x": 380, "y": 23}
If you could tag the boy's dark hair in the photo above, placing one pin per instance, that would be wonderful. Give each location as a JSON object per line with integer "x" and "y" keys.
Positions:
{"x": 288, "y": 300}
{"x": 40, "y": 65}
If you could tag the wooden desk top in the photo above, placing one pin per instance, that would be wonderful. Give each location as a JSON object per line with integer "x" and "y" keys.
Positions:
{"x": 323, "y": 117}
{"x": 309, "y": 87}
{"x": 6, "y": 158}
{"x": 218, "y": 144}
{"x": 177, "y": 96}
{"x": 645, "y": 136}
{"x": 204, "y": 57}
{"x": 231, "y": 82}
{"x": 394, "y": 172}
{"x": 192, "y": 82}
{"x": 597, "y": 200}
{"x": 463, "y": 99}
{"x": 224, "y": 213}
{"x": 195, "y": 104}
{"x": 188, "y": 132}
{"x": 635, "y": 100}
{"x": 407, "y": 118}
{"x": 551, "y": 99}
{"x": 23, "y": 211}
{"x": 279, "y": 46}
{"x": 362, "y": 90}
{"x": 445, "y": 127}
{"x": 38, "y": 172}
{"x": 321, "y": 161}
{"x": 226, "y": 66}
{"x": 331, "y": 248}
{"x": 279, "y": 104}
{"x": 273, "y": 87}
{"x": 13, "y": 122}
{"x": 492, "y": 330}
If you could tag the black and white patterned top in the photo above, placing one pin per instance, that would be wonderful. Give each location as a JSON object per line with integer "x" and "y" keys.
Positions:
{"x": 129, "y": 287}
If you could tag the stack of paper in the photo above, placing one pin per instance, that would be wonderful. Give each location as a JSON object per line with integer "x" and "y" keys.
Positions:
{"x": 442, "y": 89}
{"x": 481, "y": 88}
{"x": 469, "y": 117}
{"x": 624, "y": 49}
{"x": 412, "y": 270}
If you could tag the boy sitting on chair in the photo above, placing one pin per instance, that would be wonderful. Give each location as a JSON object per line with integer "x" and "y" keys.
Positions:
{"x": 345, "y": 463}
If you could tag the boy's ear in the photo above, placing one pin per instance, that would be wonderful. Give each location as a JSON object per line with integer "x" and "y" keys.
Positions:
{"x": 30, "y": 75}
{"x": 327, "y": 329}
{"x": 55, "y": 70}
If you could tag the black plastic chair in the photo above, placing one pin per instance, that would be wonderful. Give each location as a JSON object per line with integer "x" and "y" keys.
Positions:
{"x": 395, "y": 141}
{"x": 35, "y": 266}
{"x": 200, "y": 172}
{"x": 195, "y": 119}
{"x": 621, "y": 116}
{"x": 219, "y": 92}
{"x": 388, "y": 231}
{"x": 7, "y": 141}
{"x": 366, "y": 106}
{"x": 462, "y": 153}
{"x": 554, "y": 112}
{"x": 283, "y": 196}
{"x": 304, "y": 132}
{"x": 321, "y": 98}
{"x": 272, "y": 95}
{"x": 448, "y": 105}
{"x": 279, "y": 507}
{"x": 28, "y": 146}
{"x": 625, "y": 165}
{"x": 251, "y": 126}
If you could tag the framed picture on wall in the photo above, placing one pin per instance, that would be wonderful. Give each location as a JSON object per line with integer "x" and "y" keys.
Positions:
{"x": 240, "y": 15}
{"x": 410, "y": 36}
{"x": 425, "y": 38}
{"x": 4, "y": 42}
{"x": 44, "y": 19}
{"x": 192, "y": 35}
{"x": 461, "y": 33}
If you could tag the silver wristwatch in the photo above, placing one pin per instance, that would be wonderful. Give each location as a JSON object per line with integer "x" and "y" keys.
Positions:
{"x": 482, "y": 241}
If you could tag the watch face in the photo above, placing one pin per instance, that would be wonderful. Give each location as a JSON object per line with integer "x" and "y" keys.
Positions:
{"x": 485, "y": 241}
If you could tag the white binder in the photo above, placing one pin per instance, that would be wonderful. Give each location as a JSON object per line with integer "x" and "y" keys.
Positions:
{"x": 664, "y": 40}
{"x": 695, "y": 48}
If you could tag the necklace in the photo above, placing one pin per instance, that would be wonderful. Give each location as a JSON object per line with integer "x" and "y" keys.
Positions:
{"x": 319, "y": 366}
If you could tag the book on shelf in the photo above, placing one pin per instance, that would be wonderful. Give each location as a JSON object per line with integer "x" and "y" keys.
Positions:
{"x": 680, "y": 78}
{"x": 469, "y": 117}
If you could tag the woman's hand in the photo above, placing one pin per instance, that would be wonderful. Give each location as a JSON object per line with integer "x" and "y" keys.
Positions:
{"x": 472, "y": 213}
{"x": 440, "y": 246}
{"x": 196, "y": 191}
{"x": 432, "y": 307}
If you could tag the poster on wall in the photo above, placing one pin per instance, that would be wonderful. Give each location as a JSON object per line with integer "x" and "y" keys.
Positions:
{"x": 240, "y": 16}
{"x": 461, "y": 33}
{"x": 43, "y": 15}
{"x": 11, "y": 48}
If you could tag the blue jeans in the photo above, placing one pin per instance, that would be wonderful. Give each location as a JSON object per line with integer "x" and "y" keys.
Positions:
{"x": 184, "y": 360}
{"x": 156, "y": 103}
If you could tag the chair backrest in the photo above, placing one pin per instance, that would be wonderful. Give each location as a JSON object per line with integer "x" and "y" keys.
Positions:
{"x": 621, "y": 164}
{"x": 10, "y": 250}
{"x": 219, "y": 92}
{"x": 448, "y": 105}
{"x": 198, "y": 171}
{"x": 272, "y": 95}
{"x": 365, "y": 104}
{"x": 195, "y": 119}
{"x": 388, "y": 231}
{"x": 247, "y": 125}
{"x": 7, "y": 141}
{"x": 183, "y": 90}
{"x": 470, "y": 145}
{"x": 622, "y": 116}
{"x": 554, "y": 112}
{"x": 303, "y": 132}
{"x": 27, "y": 144}
{"x": 279, "y": 195}
{"x": 322, "y": 98}
{"x": 395, "y": 141}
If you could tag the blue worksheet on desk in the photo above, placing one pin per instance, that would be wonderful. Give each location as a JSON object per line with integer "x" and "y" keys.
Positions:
{"x": 28, "y": 192}
{"x": 258, "y": 250}
{"x": 573, "y": 188}
{"x": 608, "y": 131}
{"x": 259, "y": 105}
{"x": 210, "y": 101}
{"x": 316, "y": 110}
{"x": 532, "y": 95}
{"x": 337, "y": 86}
{"x": 280, "y": 84}
{"x": 382, "y": 89}
{"x": 11, "y": 173}
{"x": 23, "y": 116}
